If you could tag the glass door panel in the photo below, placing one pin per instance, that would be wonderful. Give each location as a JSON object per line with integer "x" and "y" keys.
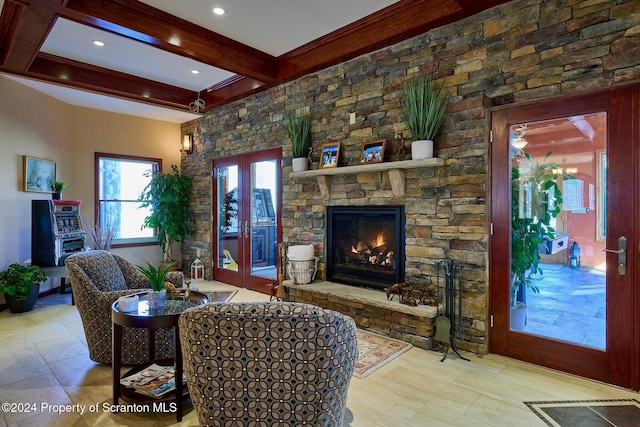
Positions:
{"x": 264, "y": 244}
{"x": 227, "y": 215}
{"x": 228, "y": 231}
{"x": 558, "y": 281}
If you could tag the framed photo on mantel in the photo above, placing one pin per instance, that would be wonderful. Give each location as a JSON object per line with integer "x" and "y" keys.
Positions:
{"x": 38, "y": 174}
{"x": 329, "y": 155}
{"x": 372, "y": 152}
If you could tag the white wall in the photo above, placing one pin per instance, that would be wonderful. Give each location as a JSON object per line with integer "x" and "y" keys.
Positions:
{"x": 37, "y": 125}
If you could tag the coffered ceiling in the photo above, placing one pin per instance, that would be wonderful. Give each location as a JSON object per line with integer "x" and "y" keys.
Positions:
{"x": 151, "y": 46}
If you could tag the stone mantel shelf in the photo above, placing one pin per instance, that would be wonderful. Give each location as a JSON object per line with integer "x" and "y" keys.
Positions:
{"x": 394, "y": 169}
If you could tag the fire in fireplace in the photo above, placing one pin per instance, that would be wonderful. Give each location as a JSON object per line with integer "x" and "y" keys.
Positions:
{"x": 365, "y": 245}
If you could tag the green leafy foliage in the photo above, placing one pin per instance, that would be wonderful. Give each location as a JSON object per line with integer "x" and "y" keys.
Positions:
{"x": 298, "y": 124}
{"x": 57, "y": 186}
{"x": 425, "y": 103}
{"x": 167, "y": 194}
{"x": 17, "y": 280}
{"x": 530, "y": 229}
{"x": 157, "y": 276}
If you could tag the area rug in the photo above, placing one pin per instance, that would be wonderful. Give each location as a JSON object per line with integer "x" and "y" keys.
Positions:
{"x": 376, "y": 351}
{"x": 569, "y": 413}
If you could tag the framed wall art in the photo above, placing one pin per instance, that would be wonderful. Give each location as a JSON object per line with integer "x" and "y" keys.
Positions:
{"x": 329, "y": 155}
{"x": 38, "y": 174}
{"x": 372, "y": 152}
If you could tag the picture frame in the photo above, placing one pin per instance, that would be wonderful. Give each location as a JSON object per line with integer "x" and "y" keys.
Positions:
{"x": 329, "y": 155}
{"x": 38, "y": 174}
{"x": 372, "y": 152}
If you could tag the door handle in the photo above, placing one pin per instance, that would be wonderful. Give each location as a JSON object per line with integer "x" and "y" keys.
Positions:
{"x": 246, "y": 229}
{"x": 622, "y": 255}
{"x": 615, "y": 251}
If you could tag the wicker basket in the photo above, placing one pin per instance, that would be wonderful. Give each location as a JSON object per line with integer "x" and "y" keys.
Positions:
{"x": 302, "y": 272}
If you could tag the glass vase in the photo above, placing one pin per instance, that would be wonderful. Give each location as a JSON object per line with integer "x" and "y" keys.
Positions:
{"x": 157, "y": 299}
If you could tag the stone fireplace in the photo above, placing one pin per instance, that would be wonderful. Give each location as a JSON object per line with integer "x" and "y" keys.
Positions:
{"x": 371, "y": 226}
{"x": 365, "y": 245}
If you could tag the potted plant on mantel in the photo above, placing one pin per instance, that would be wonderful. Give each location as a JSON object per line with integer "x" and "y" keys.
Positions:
{"x": 157, "y": 278}
{"x": 298, "y": 124}
{"x": 424, "y": 104}
{"x": 530, "y": 228}
{"x": 167, "y": 194}
{"x": 20, "y": 285}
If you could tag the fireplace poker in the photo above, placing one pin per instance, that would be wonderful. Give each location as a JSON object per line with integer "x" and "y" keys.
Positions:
{"x": 449, "y": 270}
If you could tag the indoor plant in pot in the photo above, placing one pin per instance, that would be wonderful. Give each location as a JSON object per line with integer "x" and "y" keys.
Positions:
{"x": 57, "y": 187}
{"x": 298, "y": 124}
{"x": 530, "y": 228}
{"x": 157, "y": 278}
{"x": 424, "y": 104}
{"x": 167, "y": 194}
{"x": 20, "y": 285}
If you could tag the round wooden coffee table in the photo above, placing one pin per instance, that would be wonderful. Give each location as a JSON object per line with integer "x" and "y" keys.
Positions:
{"x": 151, "y": 319}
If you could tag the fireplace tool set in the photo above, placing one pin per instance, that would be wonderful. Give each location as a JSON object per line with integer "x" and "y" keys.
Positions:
{"x": 446, "y": 328}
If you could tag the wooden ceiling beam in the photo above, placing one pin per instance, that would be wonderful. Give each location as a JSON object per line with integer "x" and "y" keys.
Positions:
{"x": 27, "y": 25}
{"x": 66, "y": 72}
{"x": 400, "y": 21}
{"x": 140, "y": 22}
{"x": 24, "y": 25}
{"x": 236, "y": 87}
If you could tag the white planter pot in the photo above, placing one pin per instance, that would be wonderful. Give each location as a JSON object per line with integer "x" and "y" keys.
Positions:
{"x": 421, "y": 149}
{"x": 300, "y": 164}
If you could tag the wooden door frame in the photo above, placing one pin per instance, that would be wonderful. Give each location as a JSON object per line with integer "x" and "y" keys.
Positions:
{"x": 243, "y": 161}
{"x": 252, "y": 282}
{"x": 231, "y": 277}
{"x": 548, "y": 352}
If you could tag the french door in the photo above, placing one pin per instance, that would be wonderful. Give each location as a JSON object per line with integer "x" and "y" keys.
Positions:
{"x": 566, "y": 170}
{"x": 246, "y": 225}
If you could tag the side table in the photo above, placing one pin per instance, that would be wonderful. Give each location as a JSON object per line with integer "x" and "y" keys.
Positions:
{"x": 151, "y": 319}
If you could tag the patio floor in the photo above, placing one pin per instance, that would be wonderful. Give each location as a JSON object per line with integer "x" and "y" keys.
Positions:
{"x": 571, "y": 305}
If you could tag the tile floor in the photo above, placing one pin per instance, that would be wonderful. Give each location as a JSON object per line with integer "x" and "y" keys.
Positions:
{"x": 44, "y": 363}
{"x": 570, "y": 306}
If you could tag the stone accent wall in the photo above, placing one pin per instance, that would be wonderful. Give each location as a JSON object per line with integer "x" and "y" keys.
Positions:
{"x": 521, "y": 51}
{"x": 371, "y": 310}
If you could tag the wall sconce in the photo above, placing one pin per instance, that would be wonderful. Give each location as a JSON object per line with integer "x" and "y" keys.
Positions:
{"x": 187, "y": 144}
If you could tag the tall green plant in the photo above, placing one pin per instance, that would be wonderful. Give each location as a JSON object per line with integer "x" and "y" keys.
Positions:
{"x": 298, "y": 124}
{"x": 425, "y": 103}
{"x": 532, "y": 226}
{"x": 167, "y": 194}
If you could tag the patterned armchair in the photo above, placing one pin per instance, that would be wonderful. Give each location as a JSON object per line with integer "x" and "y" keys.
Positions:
{"x": 99, "y": 278}
{"x": 266, "y": 364}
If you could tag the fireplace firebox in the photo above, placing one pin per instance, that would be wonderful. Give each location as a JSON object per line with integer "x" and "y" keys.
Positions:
{"x": 365, "y": 245}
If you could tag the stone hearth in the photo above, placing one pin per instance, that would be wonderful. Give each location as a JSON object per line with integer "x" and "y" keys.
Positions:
{"x": 370, "y": 309}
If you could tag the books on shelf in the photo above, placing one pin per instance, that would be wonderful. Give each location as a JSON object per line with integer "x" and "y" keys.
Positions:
{"x": 155, "y": 381}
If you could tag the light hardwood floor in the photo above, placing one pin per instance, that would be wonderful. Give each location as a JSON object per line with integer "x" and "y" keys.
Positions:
{"x": 44, "y": 363}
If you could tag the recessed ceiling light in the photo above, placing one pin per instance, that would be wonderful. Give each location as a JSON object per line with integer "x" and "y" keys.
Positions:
{"x": 98, "y": 43}
{"x": 195, "y": 71}
{"x": 218, "y": 11}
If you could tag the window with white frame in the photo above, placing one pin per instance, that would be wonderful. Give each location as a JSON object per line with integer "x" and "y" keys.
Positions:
{"x": 119, "y": 183}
